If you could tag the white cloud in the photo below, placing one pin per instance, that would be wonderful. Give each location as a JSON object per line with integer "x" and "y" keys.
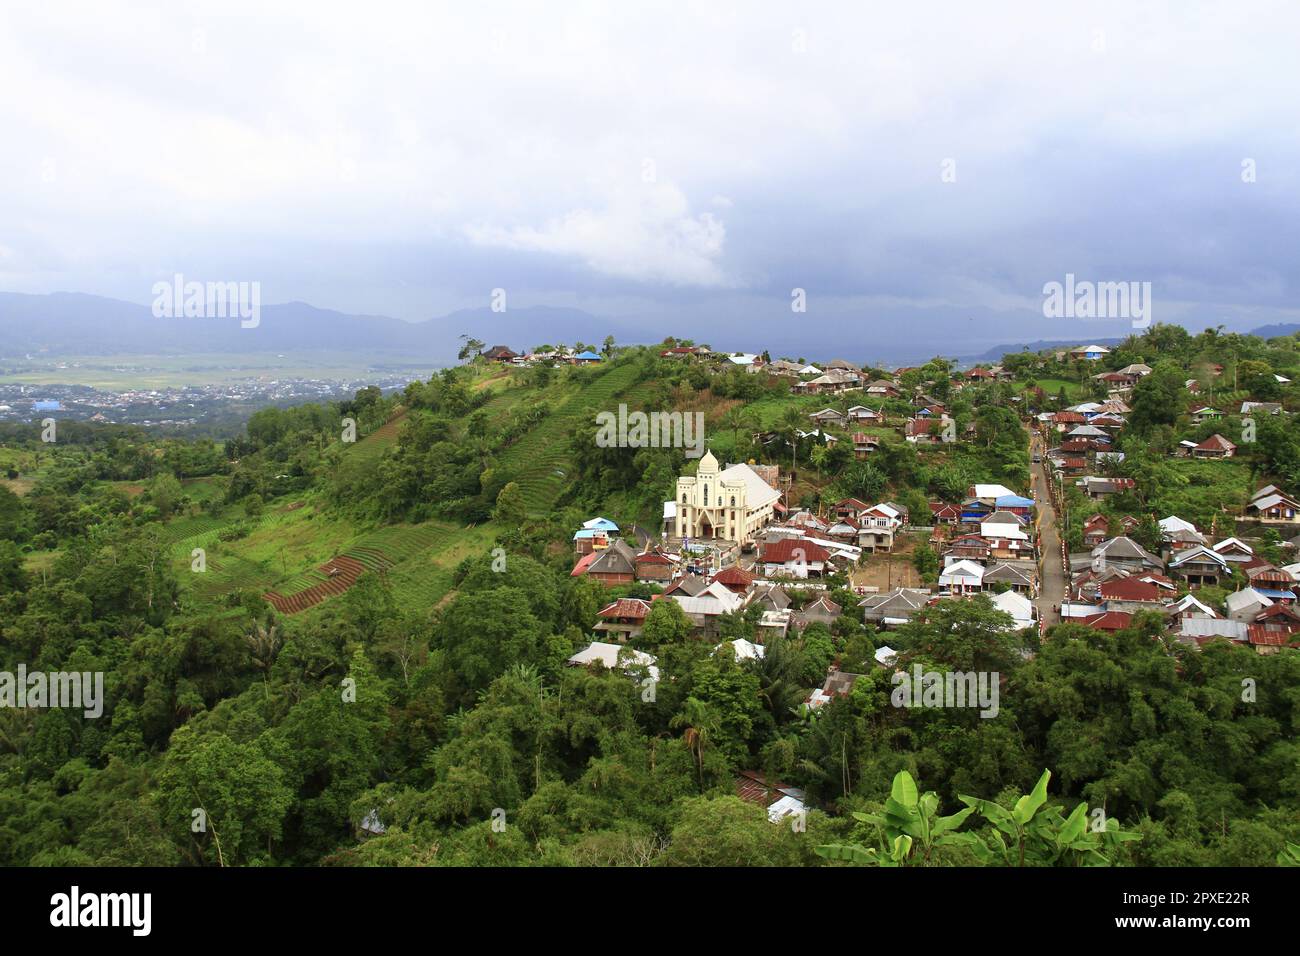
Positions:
{"x": 646, "y": 234}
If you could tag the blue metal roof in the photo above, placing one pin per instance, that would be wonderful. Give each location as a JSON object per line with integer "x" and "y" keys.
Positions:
{"x": 1014, "y": 501}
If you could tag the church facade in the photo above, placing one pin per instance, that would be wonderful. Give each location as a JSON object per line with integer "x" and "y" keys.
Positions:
{"x": 732, "y": 504}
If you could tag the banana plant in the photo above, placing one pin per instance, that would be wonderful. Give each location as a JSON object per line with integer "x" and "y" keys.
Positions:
{"x": 1290, "y": 855}
{"x": 1031, "y": 834}
{"x": 909, "y": 829}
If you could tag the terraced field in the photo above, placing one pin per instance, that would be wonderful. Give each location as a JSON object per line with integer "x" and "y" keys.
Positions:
{"x": 380, "y": 440}
{"x": 339, "y": 574}
{"x": 227, "y": 573}
{"x": 376, "y": 551}
{"x": 539, "y": 461}
{"x": 185, "y": 530}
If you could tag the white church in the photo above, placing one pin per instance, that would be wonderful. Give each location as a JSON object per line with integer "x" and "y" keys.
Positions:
{"x": 734, "y": 504}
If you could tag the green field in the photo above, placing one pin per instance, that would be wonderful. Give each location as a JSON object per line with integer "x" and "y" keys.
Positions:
{"x": 1052, "y": 386}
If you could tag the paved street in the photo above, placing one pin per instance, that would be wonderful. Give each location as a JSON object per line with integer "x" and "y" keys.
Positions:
{"x": 1053, "y": 583}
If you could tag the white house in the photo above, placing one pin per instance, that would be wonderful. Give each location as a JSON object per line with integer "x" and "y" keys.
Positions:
{"x": 615, "y": 656}
{"x": 1018, "y": 606}
{"x": 962, "y": 577}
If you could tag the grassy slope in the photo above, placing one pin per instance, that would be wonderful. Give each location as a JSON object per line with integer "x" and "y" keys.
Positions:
{"x": 539, "y": 461}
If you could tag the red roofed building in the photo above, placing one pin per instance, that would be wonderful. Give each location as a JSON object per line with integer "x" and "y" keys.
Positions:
{"x": 654, "y": 565}
{"x": 1265, "y": 640}
{"x": 1096, "y": 530}
{"x": 794, "y": 557}
{"x": 1216, "y": 446}
{"x": 624, "y": 618}
{"x": 734, "y": 578}
{"x": 945, "y": 514}
{"x": 1110, "y": 621}
{"x": 1129, "y": 594}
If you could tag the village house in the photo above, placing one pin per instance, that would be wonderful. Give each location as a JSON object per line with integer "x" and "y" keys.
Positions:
{"x": 1270, "y": 504}
{"x": 894, "y": 607}
{"x": 1122, "y": 552}
{"x": 941, "y": 513}
{"x": 500, "y": 353}
{"x": 861, "y": 415}
{"x": 735, "y": 579}
{"x": 1216, "y": 446}
{"x": 864, "y": 445}
{"x": 779, "y": 799}
{"x": 1020, "y": 577}
{"x": 1245, "y": 605}
{"x": 962, "y": 577}
{"x": 654, "y": 564}
{"x": 830, "y": 381}
{"x": 794, "y": 557}
{"x": 1261, "y": 408}
{"x": 878, "y": 525}
{"x": 883, "y": 388}
{"x": 1188, "y": 607}
{"x": 821, "y": 609}
{"x": 1131, "y": 594}
{"x": 623, "y": 619}
{"x": 616, "y": 657}
{"x": 837, "y": 684}
{"x": 1018, "y": 606}
{"x": 707, "y": 607}
{"x": 923, "y": 431}
{"x": 1235, "y": 551}
{"x": 1089, "y": 353}
{"x": 615, "y": 564}
{"x": 1199, "y": 565}
{"x": 683, "y": 352}
{"x": 1109, "y": 621}
{"x": 1097, "y": 488}
{"x": 850, "y": 507}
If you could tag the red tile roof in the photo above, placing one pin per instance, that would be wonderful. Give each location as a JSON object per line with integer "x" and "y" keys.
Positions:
{"x": 626, "y": 607}
{"x": 1216, "y": 443}
{"x": 793, "y": 549}
{"x": 1261, "y": 636}
{"x": 1130, "y": 589}
{"x": 653, "y": 557}
{"x": 735, "y": 577}
{"x": 1110, "y": 621}
{"x": 584, "y": 562}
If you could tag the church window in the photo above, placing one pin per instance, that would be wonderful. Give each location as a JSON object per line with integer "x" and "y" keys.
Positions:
{"x": 706, "y": 496}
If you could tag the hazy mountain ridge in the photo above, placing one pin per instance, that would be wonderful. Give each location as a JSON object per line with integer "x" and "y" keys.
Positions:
{"x": 70, "y": 323}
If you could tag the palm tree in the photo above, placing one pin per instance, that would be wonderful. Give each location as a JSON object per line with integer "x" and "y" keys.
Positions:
{"x": 734, "y": 419}
{"x": 792, "y": 422}
{"x": 818, "y": 456}
{"x": 702, "y": 725}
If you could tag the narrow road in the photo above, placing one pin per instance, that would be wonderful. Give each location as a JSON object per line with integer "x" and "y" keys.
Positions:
{"x": 1052, "y": 592}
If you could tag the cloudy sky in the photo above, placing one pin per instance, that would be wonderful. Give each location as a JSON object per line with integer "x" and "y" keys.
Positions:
{"x": 921, "y": 170}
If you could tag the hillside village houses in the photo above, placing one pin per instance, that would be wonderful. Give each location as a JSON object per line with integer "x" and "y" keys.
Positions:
{"x": 763, "y": 554}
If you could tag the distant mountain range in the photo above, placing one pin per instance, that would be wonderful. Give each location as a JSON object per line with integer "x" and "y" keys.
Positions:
{"x": 63, "y": 324}
{"x": 76, "y": 324}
